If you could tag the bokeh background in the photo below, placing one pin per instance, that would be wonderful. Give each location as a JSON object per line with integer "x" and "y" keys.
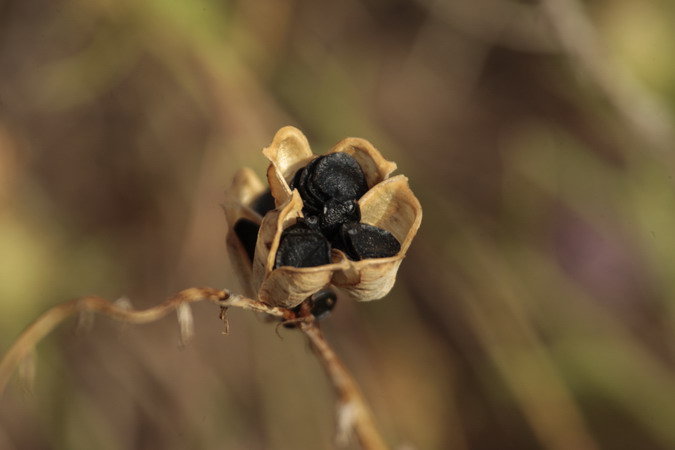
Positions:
{"x": 535, "y": 309}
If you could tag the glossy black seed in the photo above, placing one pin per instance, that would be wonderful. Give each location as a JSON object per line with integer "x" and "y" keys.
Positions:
{"x": 336, "y": 176}
{"x": 300, "y": 246}
{"x": 361, "y": 241}
{"x": 247, "y": 233}
{"x": 336, "y": 213}
{"x": 263, "y": 203}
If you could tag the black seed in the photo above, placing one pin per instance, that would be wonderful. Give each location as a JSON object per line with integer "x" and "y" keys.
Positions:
{"x": 312, "y": 204}
{"x": 362, "y": 241}
{"x": 335, "y": 214}
{"x": 264, "y": 203}
{"x": 337, "y": 176}
{"x": 247, "y": 233}
{"x": 300, "y": 246}
{"x": 322, "y": 303}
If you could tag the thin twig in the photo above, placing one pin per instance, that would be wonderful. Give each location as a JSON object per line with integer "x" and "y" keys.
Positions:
{"x": 43, "y": 325}
{"x": 353, "y": 411}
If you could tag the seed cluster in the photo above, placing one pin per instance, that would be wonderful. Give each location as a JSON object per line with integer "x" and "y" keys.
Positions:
{"x": 330, "y": 187}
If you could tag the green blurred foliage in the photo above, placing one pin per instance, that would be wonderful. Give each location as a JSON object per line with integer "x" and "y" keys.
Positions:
{"x": 534, "y": 309}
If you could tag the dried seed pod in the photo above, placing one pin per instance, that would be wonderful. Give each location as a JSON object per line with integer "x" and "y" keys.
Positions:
{"x": 349, "y": 188}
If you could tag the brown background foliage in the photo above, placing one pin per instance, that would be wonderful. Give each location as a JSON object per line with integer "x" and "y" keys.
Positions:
{"x": 535, "y": 309}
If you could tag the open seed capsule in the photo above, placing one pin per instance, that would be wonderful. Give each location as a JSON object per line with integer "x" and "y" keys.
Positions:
{"x": 345, "y": 197}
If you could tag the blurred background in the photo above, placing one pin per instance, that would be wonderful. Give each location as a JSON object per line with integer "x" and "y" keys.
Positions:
{"x": 535, "y": 309}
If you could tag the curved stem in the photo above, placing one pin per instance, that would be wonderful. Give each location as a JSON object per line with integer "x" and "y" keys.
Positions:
{"x": 353, "y": 411}
{"x": 43, "y": 325}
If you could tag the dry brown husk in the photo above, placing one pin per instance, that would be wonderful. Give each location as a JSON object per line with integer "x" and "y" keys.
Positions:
{"x": 245, "y": 188}
{"x": 389, "y": 204}
{"x": 288, "y": 152}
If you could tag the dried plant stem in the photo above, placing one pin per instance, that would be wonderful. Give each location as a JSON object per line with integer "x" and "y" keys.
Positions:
{"x": 353, "y": 411}
{"x": 26, "y": 342}
{"x": 353, "y": 414}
